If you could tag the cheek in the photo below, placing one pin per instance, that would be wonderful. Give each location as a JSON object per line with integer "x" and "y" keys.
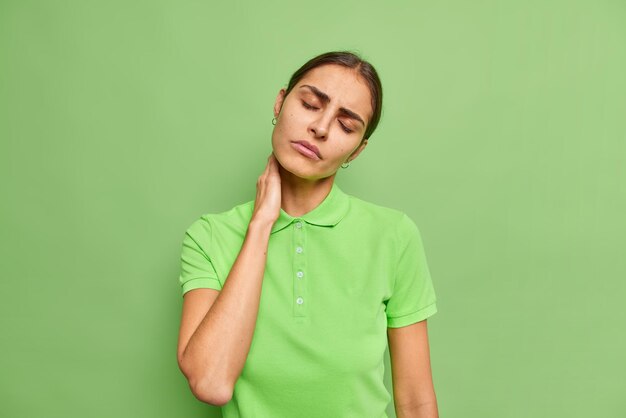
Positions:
{"x": 343, "y": 152}
{"x": 280, "y": 129}
{"x": 286, "y": 124}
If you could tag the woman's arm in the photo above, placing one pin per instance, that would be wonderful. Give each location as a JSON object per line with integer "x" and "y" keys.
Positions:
{"x": 413, "y": 390}
{"x": 213, "y": 356}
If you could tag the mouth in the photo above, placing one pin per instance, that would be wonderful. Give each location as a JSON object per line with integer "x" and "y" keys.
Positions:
{"x": 307, "y": 149}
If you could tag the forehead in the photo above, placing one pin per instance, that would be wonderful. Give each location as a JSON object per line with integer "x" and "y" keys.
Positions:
{"x": 344, "y": 85}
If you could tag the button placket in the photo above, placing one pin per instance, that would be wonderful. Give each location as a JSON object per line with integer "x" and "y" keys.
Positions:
{"x": 300, "y": 301}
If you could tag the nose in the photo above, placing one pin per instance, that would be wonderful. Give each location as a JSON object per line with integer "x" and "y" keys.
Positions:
{"x": 319, "y": 127}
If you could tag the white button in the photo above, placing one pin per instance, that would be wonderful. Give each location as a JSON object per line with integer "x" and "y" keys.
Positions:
{"x": 298, "y": 250}
{"x": 298, "y": 224}
{"x": 300, "y": 301}
{"x": 299, "y": 274}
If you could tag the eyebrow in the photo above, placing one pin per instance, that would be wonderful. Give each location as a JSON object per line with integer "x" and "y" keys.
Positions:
{"x": 324, "y": 98}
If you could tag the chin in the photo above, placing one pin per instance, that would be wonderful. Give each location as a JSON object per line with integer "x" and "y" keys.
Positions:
{"x": 300, "y": 167}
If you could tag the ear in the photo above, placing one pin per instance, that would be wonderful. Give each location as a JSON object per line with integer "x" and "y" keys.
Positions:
{"x": 358, "y": 150}
{"x": 278, "y": 104}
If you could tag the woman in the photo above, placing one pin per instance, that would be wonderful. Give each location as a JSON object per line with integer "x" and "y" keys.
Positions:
{"x": 291, "y": 299}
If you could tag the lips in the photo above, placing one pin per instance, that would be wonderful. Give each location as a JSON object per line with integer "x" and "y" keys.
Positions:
{"x": 309, "y": 146}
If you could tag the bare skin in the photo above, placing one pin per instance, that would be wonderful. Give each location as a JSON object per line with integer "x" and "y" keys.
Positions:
{"x": 212, "y": 353}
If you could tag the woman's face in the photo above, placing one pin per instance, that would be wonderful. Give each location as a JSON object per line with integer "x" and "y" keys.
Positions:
{"x": 329, "y": 108}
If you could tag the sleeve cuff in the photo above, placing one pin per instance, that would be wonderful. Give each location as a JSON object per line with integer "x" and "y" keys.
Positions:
{"x": 411, "y": 318}
{"x": 201, "y": 282}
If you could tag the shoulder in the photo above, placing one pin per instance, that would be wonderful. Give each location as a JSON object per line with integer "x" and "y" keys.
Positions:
{"x": 236, "y": 218}
{"x": 384, "y": 216}
{"x": 388, "y": 221}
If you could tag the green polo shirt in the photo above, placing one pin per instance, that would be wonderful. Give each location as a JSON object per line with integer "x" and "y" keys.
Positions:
{"x": 335, "y": 279}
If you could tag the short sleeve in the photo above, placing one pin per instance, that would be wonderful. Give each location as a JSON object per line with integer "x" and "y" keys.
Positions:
{"x": 197, "y": 270}
{"x": 413, "y": 298}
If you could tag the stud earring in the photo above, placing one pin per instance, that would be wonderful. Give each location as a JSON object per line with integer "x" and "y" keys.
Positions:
{"x": 346, "y": 166}
{"x": 274, "y": 121}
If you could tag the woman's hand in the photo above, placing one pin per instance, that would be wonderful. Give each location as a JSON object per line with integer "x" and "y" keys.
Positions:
{"x": 268, "y": 193}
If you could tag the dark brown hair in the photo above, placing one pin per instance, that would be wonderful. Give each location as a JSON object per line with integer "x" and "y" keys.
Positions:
{"x": 350, "y": 60}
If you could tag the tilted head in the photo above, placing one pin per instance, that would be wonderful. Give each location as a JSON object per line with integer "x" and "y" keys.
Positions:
{"x": 331, "y": 104}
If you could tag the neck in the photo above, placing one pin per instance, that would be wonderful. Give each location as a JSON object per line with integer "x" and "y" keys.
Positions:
{"x": 300, "y": 196}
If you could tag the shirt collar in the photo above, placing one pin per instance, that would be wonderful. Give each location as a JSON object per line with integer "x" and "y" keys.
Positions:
{"x": 328, "y": 213}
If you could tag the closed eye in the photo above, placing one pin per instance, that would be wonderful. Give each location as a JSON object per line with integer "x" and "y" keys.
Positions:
{"x": 345, "y": 128}
{"x": 308, "y": 106}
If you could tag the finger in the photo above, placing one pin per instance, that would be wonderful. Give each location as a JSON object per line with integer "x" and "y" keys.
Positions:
{"x": 267, "y": 166}
{"x": 273, "y": 161}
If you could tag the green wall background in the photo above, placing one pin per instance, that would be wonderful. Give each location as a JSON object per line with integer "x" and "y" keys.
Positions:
{"x": 502, "y": 136}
